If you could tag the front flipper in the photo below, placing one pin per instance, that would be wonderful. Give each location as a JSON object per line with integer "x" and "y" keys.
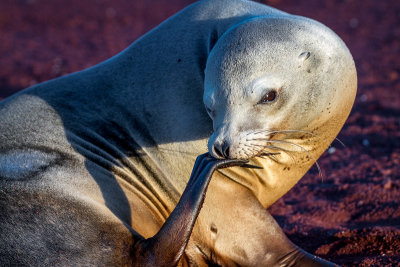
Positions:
{"x": 167, "y": 246}
{"x": 238, "y": 231}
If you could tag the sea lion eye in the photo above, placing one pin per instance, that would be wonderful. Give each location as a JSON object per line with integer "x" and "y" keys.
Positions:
{"x": 269, "y": 97}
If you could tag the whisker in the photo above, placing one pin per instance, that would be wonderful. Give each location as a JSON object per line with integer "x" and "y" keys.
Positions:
{"x": 287, "y": 142}
{"x": 303, "y": 149}
{"x": 337, "y": 139}
{"x": 279, "y": 149}
{"x": 273, "y": 147}
{"x": 273, "y": 158}
{"x": 269, "y": 154}
{"x": 269, "y": 132}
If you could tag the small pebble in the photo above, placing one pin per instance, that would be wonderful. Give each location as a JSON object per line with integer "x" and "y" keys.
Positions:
{"x": 365, "y": 142}
{"x": 388, "y": 184}
{"x": 353, "y": 23}
{"x": 363, "y": 97}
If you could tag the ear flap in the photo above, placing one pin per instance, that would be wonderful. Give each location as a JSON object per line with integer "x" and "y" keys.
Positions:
{"x": 308, "y": 62}
{"x": 304, "y": 56}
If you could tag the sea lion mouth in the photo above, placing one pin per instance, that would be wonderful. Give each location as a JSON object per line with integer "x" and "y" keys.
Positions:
{"x": 268, "y": 144}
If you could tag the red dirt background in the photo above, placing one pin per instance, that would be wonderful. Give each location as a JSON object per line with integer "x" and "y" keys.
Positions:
{"x": 351, "y": 215}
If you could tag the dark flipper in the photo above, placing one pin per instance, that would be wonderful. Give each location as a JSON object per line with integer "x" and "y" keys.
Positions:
{"x": 167, "y": 246}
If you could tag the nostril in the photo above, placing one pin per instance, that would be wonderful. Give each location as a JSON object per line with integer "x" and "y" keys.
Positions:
{"x": 225, "y": 149}
{"x": 221, "y": 149}
{"x": 218, "y": 151}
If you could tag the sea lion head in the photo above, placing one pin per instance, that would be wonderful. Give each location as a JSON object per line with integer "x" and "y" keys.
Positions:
{"x": 271, "y": 79}
{"x": 278, "y": 88}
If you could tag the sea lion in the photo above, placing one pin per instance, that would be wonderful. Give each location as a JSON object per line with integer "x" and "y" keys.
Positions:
{"x": 94, "y": 165}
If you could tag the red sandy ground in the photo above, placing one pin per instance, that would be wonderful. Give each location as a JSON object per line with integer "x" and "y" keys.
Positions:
{"x": 351, "y": 215}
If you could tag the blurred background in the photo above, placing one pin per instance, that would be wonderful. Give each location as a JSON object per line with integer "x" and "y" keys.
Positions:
{"x": 351, "y": 215}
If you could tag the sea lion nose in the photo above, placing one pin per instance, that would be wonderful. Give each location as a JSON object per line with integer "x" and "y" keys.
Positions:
{"x": 222, "y": 149}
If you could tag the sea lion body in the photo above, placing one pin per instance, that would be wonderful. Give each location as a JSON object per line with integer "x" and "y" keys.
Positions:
{"x": 93, "y": 162}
